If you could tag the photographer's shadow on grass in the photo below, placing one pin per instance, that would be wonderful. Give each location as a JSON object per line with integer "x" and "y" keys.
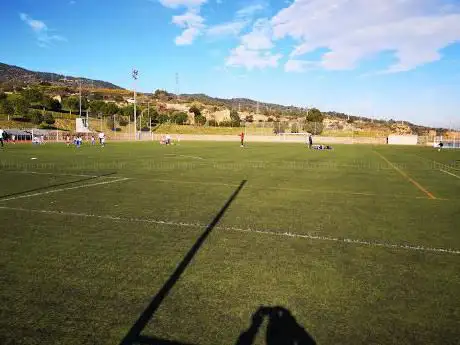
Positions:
{"x": 282, "y": 328}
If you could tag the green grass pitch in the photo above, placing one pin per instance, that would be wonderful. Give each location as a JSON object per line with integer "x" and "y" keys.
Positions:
{"x": 361, "y": 245}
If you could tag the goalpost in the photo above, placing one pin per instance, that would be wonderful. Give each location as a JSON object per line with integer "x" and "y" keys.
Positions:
{"x": 447, "y": 143}
{"x": 294, "y": 137}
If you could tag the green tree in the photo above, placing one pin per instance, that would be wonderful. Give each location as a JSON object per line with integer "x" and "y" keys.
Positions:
{"x": 249, "y": 118}
{"x": 110, "y": 121}
{"x": 314, "y": 115}
{"x": 200, "y": 120}
{"x": 32, "y": 95}
{"x": 162, "y": 118}
{"x": 129, "y": 111}
{"x": 72, "y": 103}
{"x": 49, "y": 119}
{"x": 97, "y": 107}
{"x": 235, "y": 118}
{"x": 314, "y": 128}
{"x": 213, "y": 123}
{"x": 122, "y": 121}
{"x": 21, "y": 106}
{"x": 36, "y": 117}
{"x": 179, "y": 117}
{"x": 51, "y": 104}
{"x": 6, "y": 107}
{"x": 195, "y": 110}
{"x": 111, "y": 109}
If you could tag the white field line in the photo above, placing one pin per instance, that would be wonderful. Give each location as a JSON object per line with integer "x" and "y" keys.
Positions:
{"x": 22, "y": 196}
{"x": 194, "y": 157}
{"x": 366, "y": 243}
{"x": 233, "y": 185}
{"x": 441, "y": 165}
{"x": 55, "y": 174}
{"x": 337, "y": 192}
{"x": 451, "y": 174}
{"x": 172, "y": 155}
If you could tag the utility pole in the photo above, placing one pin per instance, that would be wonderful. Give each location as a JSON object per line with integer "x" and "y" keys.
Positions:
{"x": 177, "y": 85}
{"x": 135, "y": 74}
{"x": 148, "y": 113}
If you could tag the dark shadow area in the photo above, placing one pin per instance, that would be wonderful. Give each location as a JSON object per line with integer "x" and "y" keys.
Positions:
{"x": 145, "y": 340}
{"x": 282, "y": 328}
{"x": 134, "y": 334}
{"x": 54, "y": 185}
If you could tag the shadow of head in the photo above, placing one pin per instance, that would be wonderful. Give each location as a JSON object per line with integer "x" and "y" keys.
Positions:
{"x": 282, "y": 328}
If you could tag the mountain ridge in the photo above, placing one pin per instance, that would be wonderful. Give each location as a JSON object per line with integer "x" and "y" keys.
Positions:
{"x": 16, "y": 74}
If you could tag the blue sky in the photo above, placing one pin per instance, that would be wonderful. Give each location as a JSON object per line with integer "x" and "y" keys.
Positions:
{"x": 395, "y": 59}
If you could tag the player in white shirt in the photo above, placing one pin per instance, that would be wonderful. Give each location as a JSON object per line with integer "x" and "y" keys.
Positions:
{"x": 102, "y": 138}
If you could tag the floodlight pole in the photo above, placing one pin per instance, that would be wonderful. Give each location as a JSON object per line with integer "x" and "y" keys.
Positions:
{"x": 135, "y": 76}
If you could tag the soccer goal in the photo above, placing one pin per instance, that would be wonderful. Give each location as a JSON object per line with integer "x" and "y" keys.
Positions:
{"x": 294, "y": 137}
{"x": 448, "y": 143}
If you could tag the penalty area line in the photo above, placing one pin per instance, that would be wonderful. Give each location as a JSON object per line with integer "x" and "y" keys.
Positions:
{"x": 451, "y": 174}
{"x": 280, "y": 233}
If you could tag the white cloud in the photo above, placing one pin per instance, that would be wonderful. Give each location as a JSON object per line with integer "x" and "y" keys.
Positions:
{"x": 187, "y": 36}
{"x": 259, "y": 37}
{"x": 352, "y": 30}
{"x": 250, "y": 10}
{"x": 191, "y": 21}
{"x": 44, "y": 38}
{"x": 182, "y": 3}
{"x": 226, "y": 29}
{"x": 250, "y": 59}
{"x": 243, "y": 18}
{"x": 293, "y": 65}
{"x": 72, "y": 2}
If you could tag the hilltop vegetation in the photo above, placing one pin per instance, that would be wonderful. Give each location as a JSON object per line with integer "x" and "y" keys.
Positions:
{"x": 40, "y": 98}
{"x": 12, "y": 77}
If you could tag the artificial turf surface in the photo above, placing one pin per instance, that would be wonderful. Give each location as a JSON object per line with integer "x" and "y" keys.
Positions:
{"x": 359, "y": 251}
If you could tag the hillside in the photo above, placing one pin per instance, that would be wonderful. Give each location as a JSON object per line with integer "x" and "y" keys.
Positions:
{"x": 21, "y": 76}
{"x": 13, "y": 78}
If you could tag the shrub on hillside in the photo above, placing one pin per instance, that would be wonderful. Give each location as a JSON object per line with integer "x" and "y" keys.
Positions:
{"x": 314, "y": 128}
{"x": 200, "y": 120}
{"x": 213, "y": 123}
{"x": 122, "y": 121}
{"x": 179, "y": 118}
{"x": 36, "y": 117}
{"x": 49, "y": 119}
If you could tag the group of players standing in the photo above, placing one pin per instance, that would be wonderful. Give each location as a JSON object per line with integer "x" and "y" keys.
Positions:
{"x": 78, "y": 140}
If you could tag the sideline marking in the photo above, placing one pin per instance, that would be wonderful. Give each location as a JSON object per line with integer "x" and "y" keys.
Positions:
{"x": 54, "y": 174}
{"x": 410, "y": 179}
{"x": 367, "y": 243}
{"x": 63, "y": 189}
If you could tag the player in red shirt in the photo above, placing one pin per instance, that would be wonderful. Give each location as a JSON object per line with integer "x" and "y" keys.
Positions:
{"x": 242, "y": 139}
